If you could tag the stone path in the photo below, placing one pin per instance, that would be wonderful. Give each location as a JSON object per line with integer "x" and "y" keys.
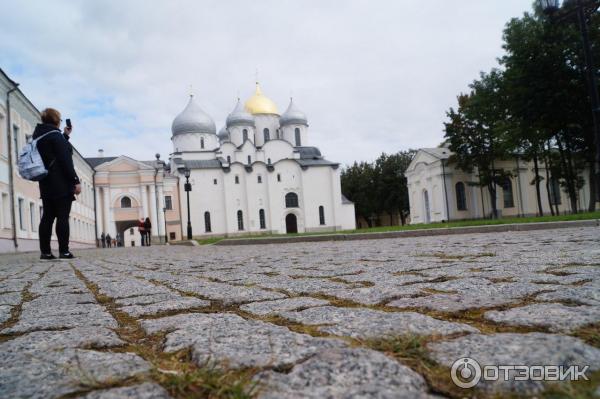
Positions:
{"x": 368, "y": 319}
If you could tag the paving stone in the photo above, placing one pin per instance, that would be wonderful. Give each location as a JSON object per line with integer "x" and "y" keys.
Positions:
{"x": 164, "y": 306}
{"x": 11, "y": 298}
{"x": 146, "y": 390}
{"x": 344, "y": 373}
{"x": 226, "y": 293}
{"x": 451, "y": 302}
{"x": 516, "y": 349}
{"x": 81, "y": 337}
{"x": 368, "y": 323}
{"x": 554, "y": 316}
{"x": 587, "y": 295}
{"x": 227, "y": 339}
{"x": 5, "y": 313}
{"x": 282, "y": 305}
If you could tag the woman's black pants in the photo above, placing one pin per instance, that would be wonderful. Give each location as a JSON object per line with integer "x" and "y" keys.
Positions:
{"x": 59, "y": 209}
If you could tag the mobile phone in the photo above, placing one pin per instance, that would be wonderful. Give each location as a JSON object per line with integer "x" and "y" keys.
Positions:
{"x": 68, "y": 122}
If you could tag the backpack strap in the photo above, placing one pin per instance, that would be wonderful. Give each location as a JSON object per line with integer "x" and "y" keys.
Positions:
{"x": 45, "y": 134}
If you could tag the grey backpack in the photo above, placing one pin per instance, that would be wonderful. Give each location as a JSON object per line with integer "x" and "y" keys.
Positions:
{"x": 31, "y": 165}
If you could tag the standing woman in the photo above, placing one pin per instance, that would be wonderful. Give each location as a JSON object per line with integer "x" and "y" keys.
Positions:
{"x": 148, "y": 230}
{"x": 141, "y": 228}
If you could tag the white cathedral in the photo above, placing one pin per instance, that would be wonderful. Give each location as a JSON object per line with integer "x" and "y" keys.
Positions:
{"x": 257, "y": 175}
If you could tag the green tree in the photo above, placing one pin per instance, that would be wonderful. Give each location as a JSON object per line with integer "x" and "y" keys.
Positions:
{"x": 358, "y": 185}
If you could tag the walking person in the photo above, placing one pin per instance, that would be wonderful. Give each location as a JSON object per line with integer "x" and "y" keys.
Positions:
{"x": 142, "y": 230}
{"x": 148, "y": 231}
{"x": 108, "y": 240}
{"x": 103, "y": 239}
{"x": 60, "y": 186}
{"x": 118, "y": 240}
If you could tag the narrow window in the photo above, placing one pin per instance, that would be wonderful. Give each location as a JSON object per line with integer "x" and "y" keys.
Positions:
{"x": 322, "y": 215}
{"x": 168, "y": 202}
{"x": 32, "y": 216}
{"x": 172, "y": 236}
{"x": 21, "y": 216}
{"x": 291, "y": 200}
{"x": 207, "y": 227}
{"x": 508, "y": 193}
{"x": 202, "y": 142}
{"x": 249, "y": 160}
{"x": 461, "y": 198}
{"x": 244, "y": 135}
{"x": 240, "y": 219}
{"x": 237, "y": 179}
{"x": 215, "y": 182}
{"x": 125, "y": 202}
{"x": 269, "y": 161}
{"x": 261, "y": 217}
{"x": 259, "y": 178}
{"x": 278, "y": 177}
{"x": 297, "y": 134}
{"x": 228, "y": 158}
{"x": 267, "y": 135}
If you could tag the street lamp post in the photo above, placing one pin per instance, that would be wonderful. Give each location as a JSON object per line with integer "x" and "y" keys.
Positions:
{"x": 581, "y": 7}
{"x": 165, "y": 219}
{"x": 188, "y": 187}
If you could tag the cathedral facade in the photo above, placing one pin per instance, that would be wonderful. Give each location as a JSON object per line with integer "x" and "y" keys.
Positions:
{"x": 258, "y": 174}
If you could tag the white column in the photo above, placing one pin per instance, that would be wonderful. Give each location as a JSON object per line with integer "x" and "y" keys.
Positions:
{"x": 106, "y": 216}
{"x": 153, "y": 216}
{"x": 99, "y": 212}
{"x": 161, "y": 214}
{"x": 144, "y": 191}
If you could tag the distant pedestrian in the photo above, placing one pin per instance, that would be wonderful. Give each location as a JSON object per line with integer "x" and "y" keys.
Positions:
{"x": 118, "y": 240}
{"x": 148, "y": 231}
{"x": 108, "y": 240}
{"x": 114, "y": 242}
{"x": 142, "y": 230}
{"x": 103, "y": 239}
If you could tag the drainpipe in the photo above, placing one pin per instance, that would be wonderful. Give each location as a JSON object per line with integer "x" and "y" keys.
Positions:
{"x": 11, "y": 179}
{"x": 95, "y": 209}
{"x": 445, "y": 191}
{"x": 156, "y": 195}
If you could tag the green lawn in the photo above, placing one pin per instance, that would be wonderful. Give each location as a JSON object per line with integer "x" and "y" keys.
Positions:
{"x": 464, "y": 223}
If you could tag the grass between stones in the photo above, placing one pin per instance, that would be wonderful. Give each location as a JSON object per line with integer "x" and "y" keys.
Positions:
{"x": 590, "y": 334}
{"x": 176, "y": 372}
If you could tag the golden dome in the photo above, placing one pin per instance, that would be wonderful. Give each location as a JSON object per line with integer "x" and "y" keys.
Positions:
{"x": 259, "y": 104}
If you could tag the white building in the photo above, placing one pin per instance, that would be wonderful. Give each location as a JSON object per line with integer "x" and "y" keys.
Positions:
{"x": 439, "y": 191}
{"x": 258, "y": 175}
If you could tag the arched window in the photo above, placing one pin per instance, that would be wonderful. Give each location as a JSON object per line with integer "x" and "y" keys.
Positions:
{"x": 508, "y": 193}
{"x": 202, "y": 142}
{"x": 297, "y": 134}
{"x": 291, "y": 200}
{"x": 240, "y": 219}
{"x": 269, "y": 161}
{"x": 259, "y": 179}
{"x": 207, "y": 226}
{"x": 278, "y": 177}
{"x": 322, "y": 215}
{"x": 249, "y": 160}
{"x": 228, "y": 158}
{"x": 461, "y": 198}
{"x": 267, "y": 135}
{"x": 244, "y": 135}
{"x": 261, "y": 217}
{"x": 125, "y": 202}
{"x": 237, "y": 179}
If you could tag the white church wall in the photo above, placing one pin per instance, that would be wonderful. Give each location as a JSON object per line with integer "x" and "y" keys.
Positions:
{"x": 278, "y": 149}
{"x": 237, "y": 134}
{"x": 265, "y": 121}
{"x": 289, "y": 134}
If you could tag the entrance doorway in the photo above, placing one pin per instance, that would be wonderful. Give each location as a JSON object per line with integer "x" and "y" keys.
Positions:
{"x": 128, "y": 233}
{"x": 291, "y": 224}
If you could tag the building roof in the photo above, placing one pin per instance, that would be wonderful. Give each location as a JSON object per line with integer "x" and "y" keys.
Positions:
{"x": 97, "y": 161}
{"x": 309, "y": 153}
{"x": 439, "y": 153}
{"x": 316, "y": 162}
{"x": 239, "y": 116}
{"x": 200, "y": 164}
{"x": 346, "y": 200}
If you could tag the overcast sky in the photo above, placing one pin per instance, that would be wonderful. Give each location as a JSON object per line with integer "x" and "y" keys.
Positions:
{"x": 372, "y": 76}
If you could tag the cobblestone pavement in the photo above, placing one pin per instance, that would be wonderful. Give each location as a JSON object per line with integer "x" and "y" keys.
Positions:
{"x": 368, "y": 319}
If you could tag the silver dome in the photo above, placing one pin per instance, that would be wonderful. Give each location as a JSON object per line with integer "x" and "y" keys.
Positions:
{"x": 193, "y": 119}
{"x": 239, "y": 116}
{"x": 223, "y": 134}
{"x": 293, "y": 116}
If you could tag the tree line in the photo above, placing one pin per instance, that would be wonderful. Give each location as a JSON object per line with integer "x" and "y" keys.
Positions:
{"x": 534, "y": 106}
{"x": 379, "y": 187}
